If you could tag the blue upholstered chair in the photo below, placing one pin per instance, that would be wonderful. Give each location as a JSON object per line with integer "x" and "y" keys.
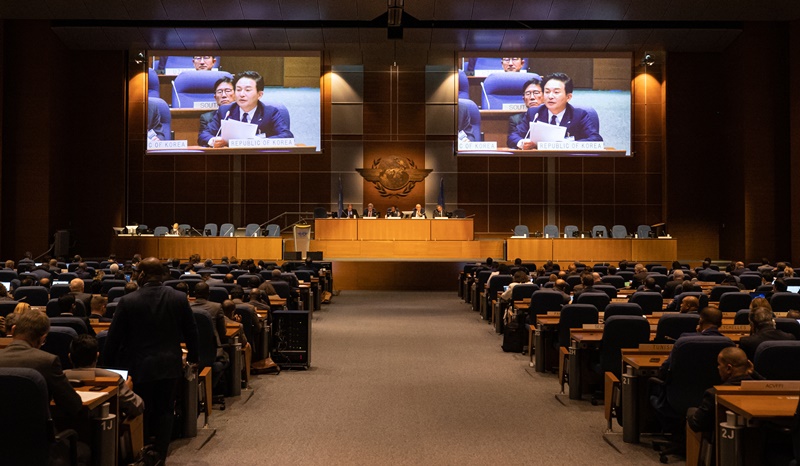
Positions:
{"x": 195, "y": 86}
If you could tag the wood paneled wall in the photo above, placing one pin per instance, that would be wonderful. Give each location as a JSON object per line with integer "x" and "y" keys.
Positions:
{"x": 714, "y": 153}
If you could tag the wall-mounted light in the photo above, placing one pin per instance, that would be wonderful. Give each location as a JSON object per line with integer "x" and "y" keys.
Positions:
{"x": 139, "y": 58}
{"x": 648, "y": 59}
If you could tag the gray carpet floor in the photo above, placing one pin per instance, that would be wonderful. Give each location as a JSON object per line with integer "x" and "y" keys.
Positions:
{"x": 408, "y": 378}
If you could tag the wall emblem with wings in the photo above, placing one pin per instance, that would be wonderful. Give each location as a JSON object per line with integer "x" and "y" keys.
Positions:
{"x": 394, "y": 176}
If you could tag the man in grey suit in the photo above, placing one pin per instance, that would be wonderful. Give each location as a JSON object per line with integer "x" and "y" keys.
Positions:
{"x": 145, "y": 337}
{"x": 223, "y": 94}
{"x": 29, "y": 334}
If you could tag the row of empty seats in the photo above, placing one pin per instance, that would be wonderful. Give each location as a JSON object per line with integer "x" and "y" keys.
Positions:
{"x": 597, "y": 231}
{"x": 211, "y": 229}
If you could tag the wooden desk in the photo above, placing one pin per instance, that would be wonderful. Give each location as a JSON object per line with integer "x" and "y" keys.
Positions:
{"x": 592, "y": 249}
{"x": 542, "y": 337}
{"x": 268, "y": 248}
{"x": 582, "y": 341}
{"x": 381, "y": 229}
{"x": 102, "y": 435}
{"x": 637, "y": 367}
{"x": 734, "y": 446}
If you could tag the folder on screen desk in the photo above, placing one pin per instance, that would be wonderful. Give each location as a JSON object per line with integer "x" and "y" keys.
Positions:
{"x": 544, "y": 132}
{"x": 232, "y": 129}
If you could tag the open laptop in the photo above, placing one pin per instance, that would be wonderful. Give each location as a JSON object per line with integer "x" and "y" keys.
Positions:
{"x": 793, "y": 289}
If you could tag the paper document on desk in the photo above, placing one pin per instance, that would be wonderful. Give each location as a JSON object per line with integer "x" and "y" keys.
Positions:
{"x": 543, "y": 132}
{"x": 87, "y": 397}
{"x": 232, "y": 129}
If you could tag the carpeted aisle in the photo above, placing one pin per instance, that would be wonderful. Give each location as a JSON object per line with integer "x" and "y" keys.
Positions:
{"x": 407, "y": 378}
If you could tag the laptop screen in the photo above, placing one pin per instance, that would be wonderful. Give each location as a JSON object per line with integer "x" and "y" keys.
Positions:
{"x": 793, "y": 289}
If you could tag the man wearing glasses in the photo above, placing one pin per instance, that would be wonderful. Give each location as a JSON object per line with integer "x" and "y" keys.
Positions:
{"x": 532, "y": 96}
{"x": 204, "y": 63}
{"x": 513, "y": 65}
{"x": 223, "y": 94}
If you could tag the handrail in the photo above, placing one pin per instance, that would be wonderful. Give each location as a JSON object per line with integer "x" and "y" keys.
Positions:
{"x": 304, "y": 217}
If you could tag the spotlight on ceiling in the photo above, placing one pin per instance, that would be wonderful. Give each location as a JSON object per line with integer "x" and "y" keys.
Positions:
{"x": 648, "y": 60}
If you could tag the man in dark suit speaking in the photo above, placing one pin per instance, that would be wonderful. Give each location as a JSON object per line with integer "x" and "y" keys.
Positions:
{"x": 223, "y": 94}
{"x": 248, "y": 88}
{"x": 582, "y": 124}
{"x": 145, "y": 337}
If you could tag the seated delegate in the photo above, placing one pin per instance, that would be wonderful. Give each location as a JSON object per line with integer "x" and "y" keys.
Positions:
{"x": 247, "y": 108}
{"x": 581, "y": 124}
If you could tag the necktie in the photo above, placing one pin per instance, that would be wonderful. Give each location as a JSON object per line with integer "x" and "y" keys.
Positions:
{"x": 553, "y": 121}
{"x": 244, "y": 118}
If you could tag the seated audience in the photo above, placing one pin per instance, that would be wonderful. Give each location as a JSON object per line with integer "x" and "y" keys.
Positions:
{"x": 98, "y": 311}
{"x": 733, "y": 367}
{"x": 762, "y": 328}
{"x": 83, "y": 353}
{"x": 690, "y": 305}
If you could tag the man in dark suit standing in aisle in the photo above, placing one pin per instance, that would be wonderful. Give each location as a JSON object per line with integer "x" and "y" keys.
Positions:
{"x": 145, "y": 337}
{"x": 223, "y": 94}
{"x": 370, "y": 211}
{"x": 582, "y": 124}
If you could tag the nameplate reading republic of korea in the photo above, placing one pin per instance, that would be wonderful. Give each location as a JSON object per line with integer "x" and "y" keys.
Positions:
{"x": 477, "y": 145}
{"x": 515, "y": 107}
{"x": 262, "y": 142}
{"x": 179, "y": 144}
{"x": 571, "y": 145}
{"x": 206, "y": 105}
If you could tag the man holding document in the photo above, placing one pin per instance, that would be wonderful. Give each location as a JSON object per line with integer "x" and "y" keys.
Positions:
{"x": 247, "y": 117}
{"x": 573, "y": 123}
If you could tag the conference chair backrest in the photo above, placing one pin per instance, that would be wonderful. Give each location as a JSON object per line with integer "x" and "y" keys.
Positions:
{"x": 615, "y": 280}
{"x": 244, "y": 279}
{"x": 111, "y": 308}
{"x": 693, "y": 369}
{"x": 619, "y": 231}
{"x": 160, "y": 231}
{"x": 715, "y": 277}
{"x": 249, "y": 319}
{"x": 551, "y": 231}
{"x": 152, "y": 84}
{"x": 210, "y": 229}
{"x": 570, "y": 230}
{"x": 6, "y": 308}
{"x": 75, "y": 323}
{"x": 777, "y": 360}
{"x": 673, "y": 325}
{"x": 599, "y": 231}
{"x": 717, "y": 291}
{"x": 27, "y": 431}
{"x": 207, "y": 341}
{"x": 57, "y": 291}
{"x": 33, "y": 295}
{"x": 788, "y": 325}
{"x": 58, "y": 341}
{"x": 227, "y": 229}
{"x": 496, "y": 284}
{"x": 459, "y": 213}
{"x": 523, "y": 290}
{"x": 195, "y": 86}
{"x": 659, "y": 269}
{"x": 643, "y": 231}
{"x": 573, "y": 281}
{"x": 521, "y": 230}
{"x": 463, "y": 85}
{"x": 622, "y": 309}
{"x": 7, "y": 275}
{"x": 503, "y": 88}
{"x": 783, "y": 301}
{"x": 621, "y": 332}
{"x": 282, "y": 289}
{"x": 483, "y": 275}
{"x": 602, "y": 269}
{"x": 750, "y": 281}
{"x": 162, "y": 108}
{"x": 742, "y": 317}
{"x": 320, "y": 212}
{"x": 610, "y": 290}
{"x": 115, "y": 293}
{"x": 544, "y": 301}
{"x": 732, "y": 301}
{"x": 252, "y": 230}
{"x": 217, "y": 294}
{"x": 649, "y": 301}
{"x": 474, "y": 118}
{"x": 108, "y": 284}
{"x": 273, "y": 230}
{"x": 574, "y": 316}
{"x": 661, "y": 280}
{"x": 598, "y": 299}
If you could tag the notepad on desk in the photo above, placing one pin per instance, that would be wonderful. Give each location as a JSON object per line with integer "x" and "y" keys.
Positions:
{"x": 543, "y": 132}
{"x": 87, "y": 397}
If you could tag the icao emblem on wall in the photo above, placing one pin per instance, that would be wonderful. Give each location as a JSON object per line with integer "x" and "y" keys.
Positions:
{"x": 394, "y": 176}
